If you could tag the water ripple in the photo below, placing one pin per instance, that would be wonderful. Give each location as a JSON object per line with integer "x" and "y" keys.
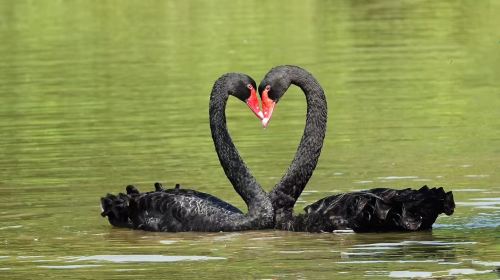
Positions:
{"x": 69, "y": 266}
{"x": 406, "y": 243}
{"x": 145, "y": 258}
{"x": 409, "y": 274}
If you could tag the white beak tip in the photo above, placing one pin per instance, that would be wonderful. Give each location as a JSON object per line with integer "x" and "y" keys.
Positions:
{"x": 265, "y": 122}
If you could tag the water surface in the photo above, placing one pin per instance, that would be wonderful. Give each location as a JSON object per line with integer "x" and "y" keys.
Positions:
{"x": 95, "y": 95}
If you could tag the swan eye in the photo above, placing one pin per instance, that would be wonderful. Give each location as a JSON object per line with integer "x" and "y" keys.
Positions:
{"x": 249, "y": 86}
{"x": 268, "y": 87}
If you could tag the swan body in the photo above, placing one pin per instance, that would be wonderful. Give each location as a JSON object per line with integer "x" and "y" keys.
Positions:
{"x": 171, "y": 210}
{"x": 378, "y": 209}
{"x": 179, "y": 209}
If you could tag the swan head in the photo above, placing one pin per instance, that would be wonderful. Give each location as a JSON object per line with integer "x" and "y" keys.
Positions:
{"x": 244, "y": 88}
{"x": 271, "y": 89}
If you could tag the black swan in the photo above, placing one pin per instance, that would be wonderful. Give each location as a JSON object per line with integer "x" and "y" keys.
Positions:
{"x": 377, "y": 209}
{"x": 180, "y": 209}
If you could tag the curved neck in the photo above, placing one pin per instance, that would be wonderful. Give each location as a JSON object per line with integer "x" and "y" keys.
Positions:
{"x": 287, "y": 191}
{"x": 236, "y": 171}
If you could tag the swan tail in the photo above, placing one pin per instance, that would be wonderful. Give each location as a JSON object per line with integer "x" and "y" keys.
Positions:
{"x": 116, "y": 208}
{"x": 421, "y": 208}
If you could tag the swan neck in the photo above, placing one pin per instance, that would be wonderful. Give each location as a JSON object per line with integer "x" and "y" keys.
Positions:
{"x": 288, "y": 190}
{"x": 234, "y": 167}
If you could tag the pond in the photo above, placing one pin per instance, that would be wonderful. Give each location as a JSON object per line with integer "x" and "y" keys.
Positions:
{"x": 95, "y": 95}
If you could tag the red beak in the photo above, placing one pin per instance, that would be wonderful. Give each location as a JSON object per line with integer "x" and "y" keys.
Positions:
{"x": 268, "y": 107}
{"x": 253, "y": 104}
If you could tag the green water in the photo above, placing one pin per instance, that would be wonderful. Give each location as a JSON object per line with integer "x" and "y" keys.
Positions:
{"x": 95, "y": 95}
